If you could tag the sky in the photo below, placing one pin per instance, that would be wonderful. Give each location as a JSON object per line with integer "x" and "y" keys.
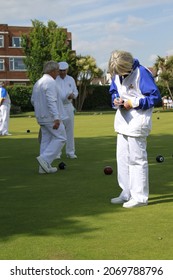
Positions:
{"x": 142, "y": 27}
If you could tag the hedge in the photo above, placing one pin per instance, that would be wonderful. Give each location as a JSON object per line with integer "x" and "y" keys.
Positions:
{"x": 20, "y": 97}
{"x": 98, "y": 98}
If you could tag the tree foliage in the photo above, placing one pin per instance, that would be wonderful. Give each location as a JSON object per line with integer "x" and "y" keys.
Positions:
{"x": 87, "y": 70}
{"x": 49, "y": 42}
{"x": 164, "y": 69}
{"x": 44, "y": 43}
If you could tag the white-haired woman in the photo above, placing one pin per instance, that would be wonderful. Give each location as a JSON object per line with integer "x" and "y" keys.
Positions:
{"x": 134, "y": 94}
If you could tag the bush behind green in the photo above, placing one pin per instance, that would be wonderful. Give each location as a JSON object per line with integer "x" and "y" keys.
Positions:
{"x": 98, "y": 97}
{"x": 20, "y": 96}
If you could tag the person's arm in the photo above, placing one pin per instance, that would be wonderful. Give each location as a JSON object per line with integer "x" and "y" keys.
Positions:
{"x": 3, "y": 95}
{"x": 115, "y": 97}
{"x": 56, "y": 124}
{"x": 33, "y": 94}
{"x": 51, "y": 98}
{"x": 1, "y": 101}
{"x": 74, "y": 93}
{"x": 148, "y": 89}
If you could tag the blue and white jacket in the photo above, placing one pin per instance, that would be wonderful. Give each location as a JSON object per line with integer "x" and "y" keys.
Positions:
{"x": 139, "y": 87}
{"x": 4, "y": 96}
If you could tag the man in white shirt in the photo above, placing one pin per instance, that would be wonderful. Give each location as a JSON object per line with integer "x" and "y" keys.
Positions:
{"x": 49, "y": 114}
{"x": 68, "y": 91}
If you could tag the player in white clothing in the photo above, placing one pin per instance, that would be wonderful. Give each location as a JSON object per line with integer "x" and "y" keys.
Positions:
{"x": 5, "y": 104}
{"x": 49, "y": 113}
{"x": 134, "y": 94}
{"x": 68, "y": 91}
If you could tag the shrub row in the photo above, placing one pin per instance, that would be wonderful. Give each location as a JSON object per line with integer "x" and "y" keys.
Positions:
{"x": 98, "y": 98}
{"x": 20, "y": 98}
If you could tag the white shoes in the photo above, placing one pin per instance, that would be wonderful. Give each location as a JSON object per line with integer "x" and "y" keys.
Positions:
{"x": 51, "y": 170}
{"x": 6, "y": 134}
{"x": 46, "y": 168}
{"x": 71, "y": 156}
{"x": 132, "y": 203}
{"x": 40, "y": 170}
{"x": 68, "y": 156}
{"x": 117, "y": 200}
{"x": 127, "y": 204}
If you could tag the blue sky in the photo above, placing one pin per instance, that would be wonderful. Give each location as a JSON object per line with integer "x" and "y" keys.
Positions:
{"x": 142, "y": 27}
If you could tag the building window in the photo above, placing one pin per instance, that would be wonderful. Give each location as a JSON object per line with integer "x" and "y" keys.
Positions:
{"x": 16, "y": 42}
{"x": 2, "y": 68}
{"x": 17, "y": 64}
{"x": 1, "y": 41}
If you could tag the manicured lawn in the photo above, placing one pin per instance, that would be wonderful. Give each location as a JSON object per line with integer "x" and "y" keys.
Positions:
{"x": 68, "y": 215}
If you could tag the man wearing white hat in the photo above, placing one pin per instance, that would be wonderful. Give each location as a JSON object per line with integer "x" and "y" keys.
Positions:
{"x": 68, "y": 91}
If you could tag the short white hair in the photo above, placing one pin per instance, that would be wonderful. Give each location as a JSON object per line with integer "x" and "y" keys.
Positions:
{"x": 50, "y": 66}
{"x": 120, "y": 63}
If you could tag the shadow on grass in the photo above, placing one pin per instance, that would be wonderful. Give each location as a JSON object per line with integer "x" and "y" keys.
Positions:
{"x": 161, "y": 199}
{"x": 36, "y": 204}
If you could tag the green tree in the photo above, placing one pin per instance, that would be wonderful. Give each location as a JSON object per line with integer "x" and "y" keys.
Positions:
{"x": 44, "y": 43}
{"x": 86, "y": 71}
{"x": 50, "y": 42}
{"x": 164, "y": 71}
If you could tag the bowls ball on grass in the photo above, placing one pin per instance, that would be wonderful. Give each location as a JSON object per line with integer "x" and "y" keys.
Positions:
{"x": 108, "y": 170}
{"x": 160, "y": 158}
{"x": 62, "y": 165}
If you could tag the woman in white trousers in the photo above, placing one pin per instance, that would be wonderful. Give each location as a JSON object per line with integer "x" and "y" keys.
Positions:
{"x": 134, "y": 94}
{"x": 5, "y": 105}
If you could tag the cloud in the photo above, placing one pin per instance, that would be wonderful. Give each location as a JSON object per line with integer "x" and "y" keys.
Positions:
{"x": 169, "y": 52}
{"x": 100, "y": 26}
{"x": 135, "y": 22}
{"x": 153, "y": 58}
{"x": 71, "y": 11}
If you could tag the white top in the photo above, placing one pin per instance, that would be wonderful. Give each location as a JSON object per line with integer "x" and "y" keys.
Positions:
{"x": 132, "y": 122}
{"x": 66, "y": 86}
{"x": 46, "y": 100}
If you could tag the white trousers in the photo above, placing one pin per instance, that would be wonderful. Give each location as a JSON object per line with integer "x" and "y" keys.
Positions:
{"x": 132, "y": 167}
{"x": 69, "y": 128}
{"x": 52, "y": 141}
{"x": 4, "y": 118}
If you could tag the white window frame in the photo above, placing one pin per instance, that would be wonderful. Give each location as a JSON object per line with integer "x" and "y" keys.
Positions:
{"x": 2, "y": 63}
{"x": 16, "y": 42}
{"x": 15, "y": 62}
{"x": 1, "y": 41}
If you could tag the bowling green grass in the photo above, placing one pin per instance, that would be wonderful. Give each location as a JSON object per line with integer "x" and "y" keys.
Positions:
{"x": 68, "y": 215}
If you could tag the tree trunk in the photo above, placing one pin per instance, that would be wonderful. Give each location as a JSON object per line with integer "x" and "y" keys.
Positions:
{"x": 170, "y": 93}
{"x": 81, "y": 97}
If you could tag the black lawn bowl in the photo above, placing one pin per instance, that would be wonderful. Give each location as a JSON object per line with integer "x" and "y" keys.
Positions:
{"x": 62, "y": 165}
{"x": 160, "y": 158}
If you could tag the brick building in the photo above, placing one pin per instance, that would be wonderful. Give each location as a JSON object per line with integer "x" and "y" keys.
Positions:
{"x": 12, "y": 67}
